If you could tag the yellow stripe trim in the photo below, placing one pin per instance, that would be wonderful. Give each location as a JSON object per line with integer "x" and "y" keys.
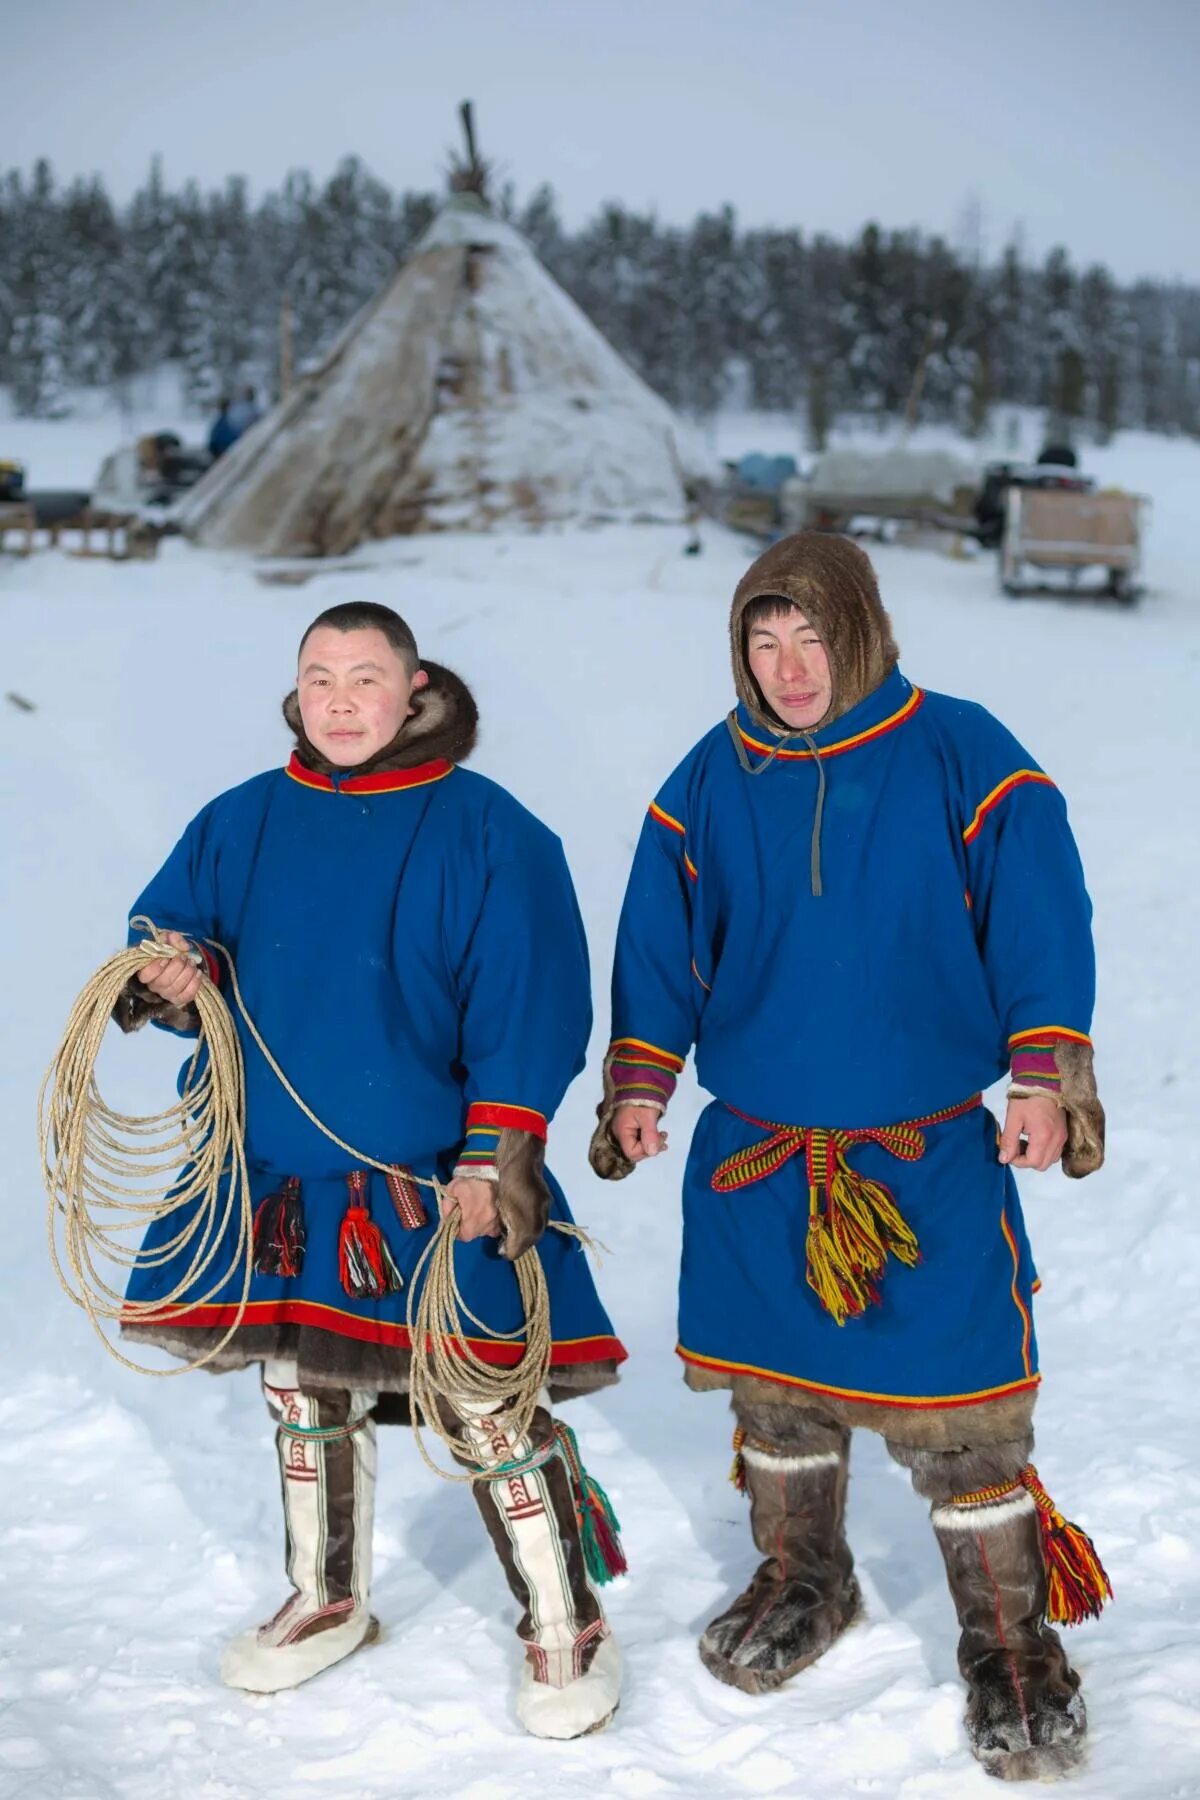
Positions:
{"x": 664, "y": 818}
{"x": 1026, "y": 1320}
{"x": 319, "y": 786}
{"x": 816, "y": 1387}
{"x": 914, "y": 700}
{"x": 642, "y": 1044}
{"x": 1037, "y": 1031}
{"x": 998, "y": 792}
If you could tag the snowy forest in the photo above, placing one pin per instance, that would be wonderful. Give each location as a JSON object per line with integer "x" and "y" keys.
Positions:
{"x": 93, "y": 293}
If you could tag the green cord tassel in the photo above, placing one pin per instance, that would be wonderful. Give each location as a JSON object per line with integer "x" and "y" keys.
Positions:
{"x": 599, "y": 1529}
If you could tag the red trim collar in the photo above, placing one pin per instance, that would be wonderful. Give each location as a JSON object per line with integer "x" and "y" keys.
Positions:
{"x": 386, "y": 782}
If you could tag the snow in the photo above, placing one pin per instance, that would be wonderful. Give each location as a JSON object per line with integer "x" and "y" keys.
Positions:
{"x": 139, "y": 1519}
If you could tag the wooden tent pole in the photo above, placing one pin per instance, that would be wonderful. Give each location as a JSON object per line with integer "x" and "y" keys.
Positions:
{"x": 285, "y": 347}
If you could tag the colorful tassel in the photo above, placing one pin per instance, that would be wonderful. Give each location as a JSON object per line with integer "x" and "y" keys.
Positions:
{"x": 737, "y": 1472}
{"x": 599, "y": 1528}
{"x": 406, "y": 1198}
{"x": 279, "y": 1235}
{"x": 1077, "y": 1583}
{"x": 365, "y": 1264}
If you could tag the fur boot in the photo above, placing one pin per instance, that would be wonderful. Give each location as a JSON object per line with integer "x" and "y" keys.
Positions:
{"x": 326, "y": 1449}
{"x": 1025, "y": 1716}
{"x": 805, "y": 1594}
{"x": 571, "y": 1679}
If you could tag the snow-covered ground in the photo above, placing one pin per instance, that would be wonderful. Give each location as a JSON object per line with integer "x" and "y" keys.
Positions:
{"x": 140, "y": 1517}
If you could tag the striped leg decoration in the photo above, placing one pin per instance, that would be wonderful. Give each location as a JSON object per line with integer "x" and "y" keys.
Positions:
{"x": 326, "y": 1447}
{"x": 571, "y": 1680}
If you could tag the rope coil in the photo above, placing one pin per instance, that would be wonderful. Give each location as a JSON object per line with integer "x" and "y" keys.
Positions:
{"x": 97, "y": 1161}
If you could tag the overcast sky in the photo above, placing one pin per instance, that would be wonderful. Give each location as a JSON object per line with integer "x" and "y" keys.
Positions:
{"x": 1074, "y": 119}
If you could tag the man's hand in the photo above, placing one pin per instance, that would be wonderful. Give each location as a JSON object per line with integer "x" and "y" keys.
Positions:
{"x": 1042, "y": 1123}
{"x": 173, "y": 978}
{"x": 636, "y": 1131}
{"x": 476, "y": 1202}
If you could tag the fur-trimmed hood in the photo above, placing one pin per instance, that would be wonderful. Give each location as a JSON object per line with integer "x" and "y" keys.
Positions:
{"x": 444, "y": 723}
{"x": 833, "y": 582}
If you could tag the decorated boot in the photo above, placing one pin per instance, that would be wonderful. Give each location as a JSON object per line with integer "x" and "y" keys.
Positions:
{"x": 1014, "y": 1563}
{"x": 326, "y": 1446}
{"x": 555, "y": 1535}
{"x": 794, "y": 1464}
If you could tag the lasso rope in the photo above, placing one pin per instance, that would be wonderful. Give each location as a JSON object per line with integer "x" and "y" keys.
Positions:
{"x": 96, "y": 1161}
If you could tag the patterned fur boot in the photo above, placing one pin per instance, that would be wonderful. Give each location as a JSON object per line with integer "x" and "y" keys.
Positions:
{"x": 1025, "y": 1716}
{"x": 796, "y": 1467}
{"x": 326, "y": 1446}
{"x": 571, "y": 1679}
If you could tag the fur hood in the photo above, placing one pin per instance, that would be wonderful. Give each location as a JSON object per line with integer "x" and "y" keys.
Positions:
{"x": 444, "y": 723}
{"x": 833, "y": 582}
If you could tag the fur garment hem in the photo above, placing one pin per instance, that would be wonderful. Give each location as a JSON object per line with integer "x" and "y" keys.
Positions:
{"x": 944, "y": 1428}
{"x": 324, "y": 1360}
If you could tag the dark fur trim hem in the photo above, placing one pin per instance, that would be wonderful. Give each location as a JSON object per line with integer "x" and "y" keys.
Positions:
{"x": 931, "y": 1428}
{"x": 136, "y": 1006}
{"x": 444, "y": 723}
{"x": 1084, "y": 1153}
{"x": 326, "y": 1360}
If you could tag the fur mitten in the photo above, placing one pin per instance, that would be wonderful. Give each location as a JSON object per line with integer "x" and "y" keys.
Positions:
{"x": 136, "y": 1004}
{"x": 522, "y": 1196}
{"x": 1084, "y": 1153}
{"x": 604, "y": 1153}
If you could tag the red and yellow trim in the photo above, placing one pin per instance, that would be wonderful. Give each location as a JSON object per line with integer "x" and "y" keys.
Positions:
{"x": 664, "y": 818}
{"x": 672, "y": 824}
{"x": 902, "y": 1401}
{"x": 991, "y": 801}
{"x": 501, "y": 1117}
{"x": 851, "y": 743}
{"x": 1026, "y": 1315}
{"x": 386, "y": 782}
{"x": 1043, "y": 1033}
{"x": 374, "y": 1331}
{"x": 637, "y": 1050}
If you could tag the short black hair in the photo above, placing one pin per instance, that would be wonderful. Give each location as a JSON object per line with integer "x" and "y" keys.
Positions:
{"x": 368, "y": 615}
{"x": 767, "y": 606}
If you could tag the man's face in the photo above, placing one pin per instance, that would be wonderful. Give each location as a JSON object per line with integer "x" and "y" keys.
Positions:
{"x": 789, "y": 663}
{"x": 355, "y": 692}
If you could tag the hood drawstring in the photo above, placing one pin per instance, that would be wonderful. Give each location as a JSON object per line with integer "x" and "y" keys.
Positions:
{"x": 757, "y": 769}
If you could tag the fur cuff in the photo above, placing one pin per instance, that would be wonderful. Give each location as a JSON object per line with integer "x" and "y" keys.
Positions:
{"x": 136, "y": 1005}
{"x": 1084, "y": 1153}
{"x": 522, "y": 1197}
{"x": 604, "y": 1153}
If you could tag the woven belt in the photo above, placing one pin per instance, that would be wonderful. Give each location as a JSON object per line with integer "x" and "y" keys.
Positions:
{"x": 854, "y": 1224}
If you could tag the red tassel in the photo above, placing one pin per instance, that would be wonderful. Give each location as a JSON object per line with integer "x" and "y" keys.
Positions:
{"x": 1077, "y": 1583}
{"x": 365, "y": 1264}
{"x": 737, "y": 1473}
{"x": 406, "y": 1198}
{"x": 279, "y": 1235}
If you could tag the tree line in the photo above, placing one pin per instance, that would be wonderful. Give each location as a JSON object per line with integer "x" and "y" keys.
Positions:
{"x": 93, "y": 294}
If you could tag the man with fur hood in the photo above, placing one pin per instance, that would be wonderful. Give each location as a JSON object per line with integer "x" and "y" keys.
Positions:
{"x": 862, "y": 904}
{"x": 407, "y": 939}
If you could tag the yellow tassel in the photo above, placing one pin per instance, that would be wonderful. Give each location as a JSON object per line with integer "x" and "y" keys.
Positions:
{"x": 834, "y": 1278}
{"x": 878, "y": 1216}
{"x": 737, "y": 1473}
{"x": 1077, "y": 1583}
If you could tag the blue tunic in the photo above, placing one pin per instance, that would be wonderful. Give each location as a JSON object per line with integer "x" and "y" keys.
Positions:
{"x": 953, "y": 926}
{"x": 410, "y": 947}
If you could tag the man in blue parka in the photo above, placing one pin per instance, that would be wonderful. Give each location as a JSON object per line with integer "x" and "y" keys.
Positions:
{"x": 407, "y": 940}
{"x": 861, "y": 904}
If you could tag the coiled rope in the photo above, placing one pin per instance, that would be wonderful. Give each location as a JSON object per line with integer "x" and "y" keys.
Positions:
{"x": 97, "y": 1162}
